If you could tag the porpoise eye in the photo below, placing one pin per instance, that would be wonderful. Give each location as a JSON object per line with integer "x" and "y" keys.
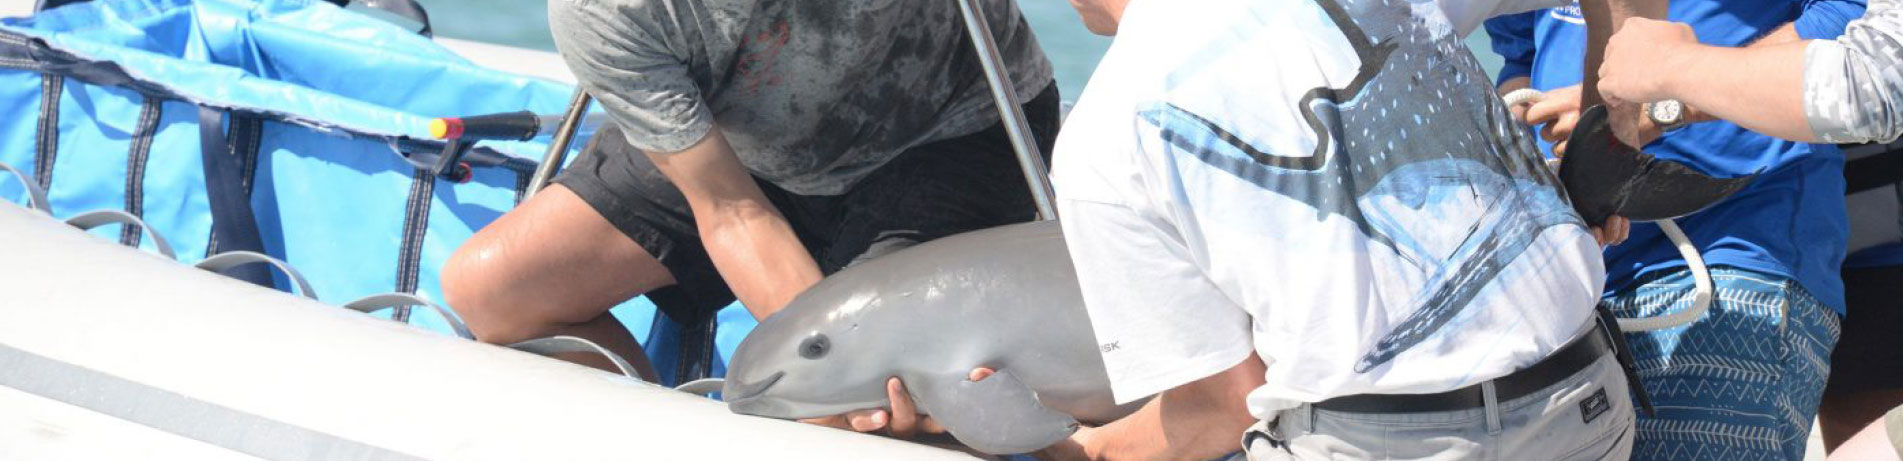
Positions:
{"x": 815, "y": 346}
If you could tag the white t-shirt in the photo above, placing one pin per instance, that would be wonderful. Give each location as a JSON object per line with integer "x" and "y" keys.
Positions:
{"x": 1234, "y": 180}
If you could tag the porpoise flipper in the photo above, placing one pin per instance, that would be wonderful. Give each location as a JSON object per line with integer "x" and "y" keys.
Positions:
{"x": 1604, "y": 177}
{"x": 997, "y": 415}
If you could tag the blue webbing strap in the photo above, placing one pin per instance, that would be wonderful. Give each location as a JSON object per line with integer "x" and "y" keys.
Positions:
{"x": 46, "y": 141}
{"x": 234, "y": 226}
{"x": 135, "y": 166}
{"x": 409, "y": 264}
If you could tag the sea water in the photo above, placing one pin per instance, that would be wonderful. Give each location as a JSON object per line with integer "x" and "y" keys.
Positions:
{"x": 1073, "y": 50}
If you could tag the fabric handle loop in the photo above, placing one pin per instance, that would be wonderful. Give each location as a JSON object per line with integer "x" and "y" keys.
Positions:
{"x": 570, "y": 344}
{"x": 35, "y": 196}
{"x": 225, "y": 262}
{"x": 403, "y": 301}
{"x": 93, "y": 219}
{"x": 702, "y": 386}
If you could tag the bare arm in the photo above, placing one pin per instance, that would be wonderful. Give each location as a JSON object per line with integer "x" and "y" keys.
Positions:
{"x": 1711, "y": 78}
{"x": 749, "y": 241}
{"x": 1200, "y": 420}
{"x": 1515, "y": 83}
{"x": 1770, "y": 74}
{"x": 1603, "y": 18}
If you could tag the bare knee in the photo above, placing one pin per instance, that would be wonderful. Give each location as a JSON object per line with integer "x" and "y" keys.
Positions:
{"x": 481, "y": 288}
{"x": 550, "y": 264}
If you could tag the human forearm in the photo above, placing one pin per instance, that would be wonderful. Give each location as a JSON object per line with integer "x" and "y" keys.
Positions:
{"x": 757, "y": 253}
{"x": 749, "y": 241}
{"x": 1200, "y": 420}
{"x": 1514, "y": 83}
{"x": 1604, "y": 18}
{"x": 1760, "y": 88}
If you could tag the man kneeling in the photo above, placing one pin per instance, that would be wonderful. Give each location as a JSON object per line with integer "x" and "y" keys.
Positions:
{"x": 1314, "y": 217}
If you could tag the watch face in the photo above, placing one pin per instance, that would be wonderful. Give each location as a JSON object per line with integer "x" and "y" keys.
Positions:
{"x": 1667, "y": 112}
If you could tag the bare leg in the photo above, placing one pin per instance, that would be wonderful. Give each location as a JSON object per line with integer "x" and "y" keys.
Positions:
{"x": 1842, "y": 416}
{"x": 1871, "y": 444}
{"x": 553, "y": 266}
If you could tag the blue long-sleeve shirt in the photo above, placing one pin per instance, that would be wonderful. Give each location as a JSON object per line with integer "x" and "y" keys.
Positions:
{"x": 1789, "y": 222}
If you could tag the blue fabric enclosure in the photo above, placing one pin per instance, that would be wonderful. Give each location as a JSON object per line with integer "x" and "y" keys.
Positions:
{"x": 315, "y": 116}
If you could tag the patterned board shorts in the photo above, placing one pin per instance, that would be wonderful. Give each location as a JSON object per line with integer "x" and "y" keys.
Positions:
{"x": 1741, "y": 383}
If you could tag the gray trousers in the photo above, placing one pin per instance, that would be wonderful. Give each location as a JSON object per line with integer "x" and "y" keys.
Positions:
{"x": 1588, "y": 416}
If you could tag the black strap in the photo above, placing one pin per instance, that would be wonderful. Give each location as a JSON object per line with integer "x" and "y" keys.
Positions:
{"x": 1563, "y": 363}
{"x": 234, "y": 226}
{"x": 1872, "y": 172}
{"x": 1609, "y": 325}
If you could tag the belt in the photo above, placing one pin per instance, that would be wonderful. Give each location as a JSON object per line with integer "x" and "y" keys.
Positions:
{"x": 1566, "y": 362}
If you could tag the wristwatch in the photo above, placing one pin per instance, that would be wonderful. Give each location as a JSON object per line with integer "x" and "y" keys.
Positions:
{"x": 1668, "y": 115}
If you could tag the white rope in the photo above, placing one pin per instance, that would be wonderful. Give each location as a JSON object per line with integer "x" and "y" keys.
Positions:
{"x": 1701, "y": 279}
{"x": 1523, "y": 96}
{"x": 1703, "y": 291}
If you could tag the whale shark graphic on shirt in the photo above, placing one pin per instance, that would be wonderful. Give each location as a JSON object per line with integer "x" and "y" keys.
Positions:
{"x": 1388, "y": 137}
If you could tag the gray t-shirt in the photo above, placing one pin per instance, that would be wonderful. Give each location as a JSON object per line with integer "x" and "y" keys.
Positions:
{"x": 813, "y": 95}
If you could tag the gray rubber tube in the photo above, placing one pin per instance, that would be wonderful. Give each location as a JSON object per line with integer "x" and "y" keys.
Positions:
{"x": 570, "y": 344}
{"x": 230, "y": 259}
{"x": 35, "y": 196}
{"x": 403, "y": 301}
{"x": 96, "y": 218}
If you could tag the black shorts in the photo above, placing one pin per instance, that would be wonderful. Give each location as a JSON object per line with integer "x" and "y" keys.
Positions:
{"x": 930, "y": 191}
{"x": 1869, "y": 354}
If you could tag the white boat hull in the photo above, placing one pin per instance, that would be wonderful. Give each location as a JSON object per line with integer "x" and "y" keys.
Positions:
{"x": 110, "y": 353}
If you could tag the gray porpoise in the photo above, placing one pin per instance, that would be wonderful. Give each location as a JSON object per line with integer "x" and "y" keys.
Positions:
{"x": 1004, "y": 298}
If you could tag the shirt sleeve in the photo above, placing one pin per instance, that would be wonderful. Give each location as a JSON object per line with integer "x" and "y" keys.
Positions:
{"x": 623, "y": 54}
{"x": 1160, "y": 323}
{"x": 1826, "y": 19}
{"x": 1853, "y": 86}
{"x": 1512, "y": 37}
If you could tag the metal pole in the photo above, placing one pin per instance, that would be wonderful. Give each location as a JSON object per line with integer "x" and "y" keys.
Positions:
{"x": 558, "y": 147}
{"x": 1010, "y": 111}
